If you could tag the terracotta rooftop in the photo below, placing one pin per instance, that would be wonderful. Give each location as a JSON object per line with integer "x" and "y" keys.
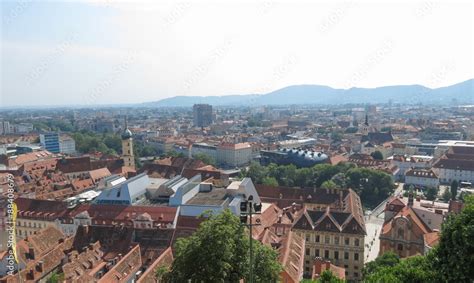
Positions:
{"x": 321, "y": 265}
{"x": 125, "y": 269}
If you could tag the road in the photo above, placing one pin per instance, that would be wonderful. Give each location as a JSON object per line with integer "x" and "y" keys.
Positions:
{"x": 373, "y": 225}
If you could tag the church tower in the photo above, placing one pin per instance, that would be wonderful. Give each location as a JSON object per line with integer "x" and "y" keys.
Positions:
{"x": 364, "y": 129}
{"x": 127, "y": 147}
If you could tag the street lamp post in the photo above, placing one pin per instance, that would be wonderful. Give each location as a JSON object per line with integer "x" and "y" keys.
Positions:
{"x": 247, "y": 209}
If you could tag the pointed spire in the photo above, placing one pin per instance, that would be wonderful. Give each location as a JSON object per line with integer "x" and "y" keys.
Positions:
{"x": 366, "y": 119}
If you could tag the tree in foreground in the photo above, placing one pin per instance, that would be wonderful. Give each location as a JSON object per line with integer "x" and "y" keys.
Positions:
{"x": 326, "y": 277}
{"x": 388, "y": 259}
{"x": 415, "y": 269}
{"x": 219, "y": 252}
{"x": 454, "y": 256}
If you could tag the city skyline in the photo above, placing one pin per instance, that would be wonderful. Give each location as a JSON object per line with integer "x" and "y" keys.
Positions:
{"x": 110, "y": 52}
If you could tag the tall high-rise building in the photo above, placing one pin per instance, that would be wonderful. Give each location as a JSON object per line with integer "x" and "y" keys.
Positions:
{"x": 202, "y": 115}
{"x": 5, "y": 127}
{"x": 127, "y": 148}
{"x": 50, "y": 142}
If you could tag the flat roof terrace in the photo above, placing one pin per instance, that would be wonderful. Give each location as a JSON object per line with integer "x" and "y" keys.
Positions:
{"x": 217, "y": 196}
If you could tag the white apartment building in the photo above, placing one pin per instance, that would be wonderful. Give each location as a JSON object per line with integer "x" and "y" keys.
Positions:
{"x": 235, "y": 155}
{"x": 67, "y": 146}
{"x": 422, "y": 177}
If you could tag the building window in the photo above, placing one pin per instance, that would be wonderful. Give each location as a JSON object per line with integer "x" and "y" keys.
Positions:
{"x": 317, "y": 252}
{"x": 356, "y": 256}
{"x": 356, "y": 242}
{"x": 326, "y": 254}
{"x": 326, "y": 239}
{"x": 308, "y": 237}
{"x": 317, "y": 238}
{"x": 346, "y": 255}
{"x": 356, "y": 274}
{"x": 346, "y": 241}
{"x": 336, "y": 240}
{"x": 400, "y": 247}
{"x": 307, "y": 251}
{"x": 336, "y": 255}
{"x": 400, "y": 233}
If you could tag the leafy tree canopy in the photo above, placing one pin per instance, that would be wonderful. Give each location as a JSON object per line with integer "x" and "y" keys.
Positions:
{"x": 205, "y": 158}
{"x": 219, "y": 252}
{"x": 453, "y": 257}
{"x": 373, "y": 186}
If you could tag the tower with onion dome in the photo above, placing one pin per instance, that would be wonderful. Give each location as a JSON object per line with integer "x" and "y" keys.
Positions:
{"x": 127, "y": 147}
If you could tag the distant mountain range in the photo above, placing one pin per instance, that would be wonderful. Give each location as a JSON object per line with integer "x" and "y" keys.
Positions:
{"x": 317, "y": 94}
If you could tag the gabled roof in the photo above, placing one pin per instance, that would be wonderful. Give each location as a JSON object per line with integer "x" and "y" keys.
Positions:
{"x": 331, "y": 221}
{"x": 408, "y": 213}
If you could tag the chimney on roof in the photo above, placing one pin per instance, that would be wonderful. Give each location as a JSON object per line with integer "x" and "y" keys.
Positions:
{"x": 31, "y": 252}
{"x": 39, "y": 266}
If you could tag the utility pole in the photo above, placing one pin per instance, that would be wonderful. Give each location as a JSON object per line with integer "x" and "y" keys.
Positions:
{"x": 247, "y": 209}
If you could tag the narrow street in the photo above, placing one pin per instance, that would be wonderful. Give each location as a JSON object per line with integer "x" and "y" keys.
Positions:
{"x": 373, "y": 224}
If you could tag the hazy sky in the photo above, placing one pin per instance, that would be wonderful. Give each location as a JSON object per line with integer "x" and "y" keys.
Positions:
{"x": 110, "y": 51}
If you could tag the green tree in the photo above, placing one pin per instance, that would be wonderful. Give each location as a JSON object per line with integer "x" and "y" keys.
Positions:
{"x": 446, "y": 195}
{"x": 431, "y": 193}
{"x": 340, "y": 180}
{"x": 55, "y": 277}
{"x": 454, "y": 189}
{"x": 415, "y": 269}
{"x": 266, "y": 266}
{"x": 388, "y": 259}
{"x": 256, "y": 172}
{"x": 377, "y": 155}
{"x": 328, "y": 277}
{"x": 328, "y": 185}
{"x": 205, "y": 158}
{"x": 218, "y": 252}
{"x": 453, "y": 257}
{"x": 161, "y": 273}
{"x": 336, "y": 136}
{"x": 270, "y": 181}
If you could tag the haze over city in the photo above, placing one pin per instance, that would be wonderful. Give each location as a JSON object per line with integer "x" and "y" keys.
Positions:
{"x": 113, "y": 52}
{"x": 237, "y": 141}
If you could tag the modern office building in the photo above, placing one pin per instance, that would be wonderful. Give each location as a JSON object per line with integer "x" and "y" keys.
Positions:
{"x": 202, "y": 114}
{"x": 50, "y": 142}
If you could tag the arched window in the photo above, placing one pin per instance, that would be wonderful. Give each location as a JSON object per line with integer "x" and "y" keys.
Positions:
{"x": 400, "y": 233}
